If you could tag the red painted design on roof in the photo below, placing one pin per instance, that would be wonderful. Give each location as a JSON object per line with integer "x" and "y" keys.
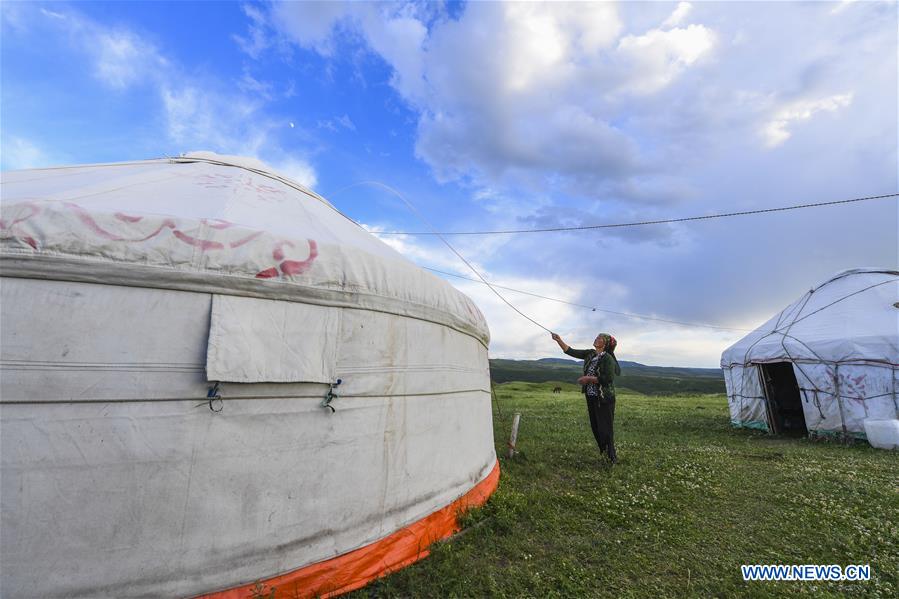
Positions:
{"x": 218, "y": 223}
{"x": 204, "y": 244}
{"x": 34, "y": 210}
{"x": 91, "y": 224}
{"x": 127, "y": 218}
{"x": 298, "y": 267}
{"x": 167, "y": 223}
{"x": 278, "y": 252}
{"x": 247, "y": 239}
{"x": 283, "y": 266}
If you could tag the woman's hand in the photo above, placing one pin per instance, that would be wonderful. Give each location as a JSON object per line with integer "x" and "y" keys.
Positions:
{"x": 586, "y": 380}
{"x": 558, "y": 340}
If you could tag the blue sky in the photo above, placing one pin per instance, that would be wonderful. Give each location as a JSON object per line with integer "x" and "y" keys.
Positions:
{"x": 512, "y": 115}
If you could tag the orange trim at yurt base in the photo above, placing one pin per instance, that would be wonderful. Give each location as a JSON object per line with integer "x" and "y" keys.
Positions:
{"x": 357, "y": 568}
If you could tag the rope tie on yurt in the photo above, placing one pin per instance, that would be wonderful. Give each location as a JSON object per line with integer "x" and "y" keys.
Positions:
{"x": 331, "y": 396}
{"x": 213, "y": 395}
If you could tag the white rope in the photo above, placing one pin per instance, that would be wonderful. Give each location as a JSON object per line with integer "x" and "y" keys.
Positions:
{"x": 434, "y": 231}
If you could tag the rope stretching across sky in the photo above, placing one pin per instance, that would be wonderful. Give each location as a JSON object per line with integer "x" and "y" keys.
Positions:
{"x": 434, "y": 231}
{"x": 460, "y": 256}
{"x": 594, "y": 308}
{"x": 646, "y": 222}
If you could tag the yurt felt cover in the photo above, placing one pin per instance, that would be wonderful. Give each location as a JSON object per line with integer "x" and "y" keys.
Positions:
{"x": 842, "y": 338}
{"x": 113, "y": 277}
{"x": 851, "y": 317}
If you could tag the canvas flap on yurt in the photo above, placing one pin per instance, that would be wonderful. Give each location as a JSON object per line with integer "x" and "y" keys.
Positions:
{"x": 269, "y": 341}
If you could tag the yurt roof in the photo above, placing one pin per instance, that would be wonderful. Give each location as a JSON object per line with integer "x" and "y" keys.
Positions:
{"x": 211, "y": 223}
{"x": 851, "y": 317}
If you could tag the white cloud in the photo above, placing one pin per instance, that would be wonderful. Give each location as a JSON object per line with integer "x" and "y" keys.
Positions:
{"x": 657, "y": 57}
{"x": 341, "y": 122}
{"x": 297, "y": 169}
{"x": 513, "y": 336}
{"x": 346, "y": 122}
{"x": 52, "y": 15}
{"x": 198, "y": 119}
{"x": 310, "y": 24}
{"x": 777, "y": 130}
{"x": 198, "y": 112}
{"x": 255, "y": 87}
{"x": 640, "y": 112}
{"x": 537, "y": 111}
{"x": 841, "y": 6}
{"x": 399, "y": 40}
{"x": 677, "y": 17}
{"x": 19, "y": 153}
{"x": 256, "y": 41}
{"x": 654, "y": 345}
{"x": 431, "y": 255}
{"x": 122, "y": 59}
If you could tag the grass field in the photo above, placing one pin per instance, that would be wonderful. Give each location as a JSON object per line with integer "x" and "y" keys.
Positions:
{"x": 690, "y": 500}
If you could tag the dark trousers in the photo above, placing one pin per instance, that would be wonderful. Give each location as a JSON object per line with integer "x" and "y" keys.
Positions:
{"x": 602, "y": 415}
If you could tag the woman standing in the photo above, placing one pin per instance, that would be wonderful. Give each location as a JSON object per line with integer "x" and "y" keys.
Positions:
{"x": 597, "y": 384}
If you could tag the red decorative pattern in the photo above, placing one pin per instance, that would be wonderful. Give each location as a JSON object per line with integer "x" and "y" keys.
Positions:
{"x": 296, "y": 267}
{"x": 283, "y": 268}
{"x": 204, "y": 244}
{"x": 10, "y": 228}
{"x": 91, "y": 224}
{"x": 289, "y": 267}
{"x": 127, "y": 218}
{"x": 218, "y": 223}
{"x": 245, "y": 240}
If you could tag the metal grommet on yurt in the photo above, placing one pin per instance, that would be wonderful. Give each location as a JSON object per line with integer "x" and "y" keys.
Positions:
{"x": 212, "y": 378}
{"x": 825, "y": 364}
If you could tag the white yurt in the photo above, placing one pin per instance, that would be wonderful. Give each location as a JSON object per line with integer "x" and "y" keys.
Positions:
{"x": 213, "y": 382}
{"x": 825, "y": 364}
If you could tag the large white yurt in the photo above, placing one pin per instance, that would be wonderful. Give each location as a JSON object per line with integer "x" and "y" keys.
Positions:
{"x": 171, "y": 331}
{"x": 823, "y": 365}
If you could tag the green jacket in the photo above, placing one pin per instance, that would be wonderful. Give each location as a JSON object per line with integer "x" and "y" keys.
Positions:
{"x": 605, "y": 371}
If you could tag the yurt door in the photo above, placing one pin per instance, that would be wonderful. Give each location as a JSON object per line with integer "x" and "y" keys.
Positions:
{"x": 785, "y": 412}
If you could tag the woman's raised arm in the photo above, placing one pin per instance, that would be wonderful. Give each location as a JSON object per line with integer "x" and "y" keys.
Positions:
{"x": 580, "y": 354}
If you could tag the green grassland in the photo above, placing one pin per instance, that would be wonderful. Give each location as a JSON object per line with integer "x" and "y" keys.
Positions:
{"x": 690, "y": 500}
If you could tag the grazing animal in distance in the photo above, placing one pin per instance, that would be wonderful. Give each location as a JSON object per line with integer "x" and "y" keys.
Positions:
{"x": 557, "y": 390}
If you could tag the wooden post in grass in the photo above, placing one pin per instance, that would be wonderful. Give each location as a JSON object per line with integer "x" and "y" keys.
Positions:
{"x": 514, "y": 437}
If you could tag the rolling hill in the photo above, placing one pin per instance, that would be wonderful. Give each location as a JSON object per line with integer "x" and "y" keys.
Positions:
{"x": 650, "y": 380}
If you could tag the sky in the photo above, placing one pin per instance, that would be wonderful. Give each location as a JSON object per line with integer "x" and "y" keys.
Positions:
{"x": 489, "y": 115}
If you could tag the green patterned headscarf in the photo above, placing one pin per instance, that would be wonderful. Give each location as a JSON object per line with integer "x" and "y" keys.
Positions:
{"x": 610, "y": 344}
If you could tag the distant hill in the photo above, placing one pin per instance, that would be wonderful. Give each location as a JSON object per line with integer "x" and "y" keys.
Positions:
{"x": 651, "y": 380}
